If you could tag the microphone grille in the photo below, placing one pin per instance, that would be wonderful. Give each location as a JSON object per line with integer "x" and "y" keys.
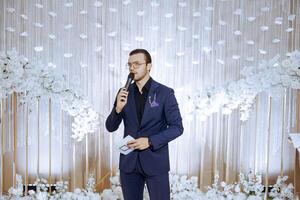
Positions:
{"x": 131, "y": 75}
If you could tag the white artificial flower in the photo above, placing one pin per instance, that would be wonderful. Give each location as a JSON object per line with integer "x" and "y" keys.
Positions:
{"x": 108, "y": 194}
{"x": 34, "y": 80}
{"x": 253, "y": 197}
{"x": 31, "y": 192}
{"x": 270, "y": 76}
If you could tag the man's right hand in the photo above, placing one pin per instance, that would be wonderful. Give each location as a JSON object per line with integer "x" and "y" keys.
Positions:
{"x": 121, "y": 100}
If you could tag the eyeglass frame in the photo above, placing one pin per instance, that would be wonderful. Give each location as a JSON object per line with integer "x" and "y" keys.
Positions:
{"x": 135, "y": 65}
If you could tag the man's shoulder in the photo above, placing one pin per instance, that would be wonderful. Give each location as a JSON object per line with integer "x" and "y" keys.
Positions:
{"x": 163, "y": 89}
{"x": 161, "y": 86}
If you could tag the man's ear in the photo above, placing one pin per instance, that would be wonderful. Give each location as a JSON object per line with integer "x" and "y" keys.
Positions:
{"x": 149, "y": 66}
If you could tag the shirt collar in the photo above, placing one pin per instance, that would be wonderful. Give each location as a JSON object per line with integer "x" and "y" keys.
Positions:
{"x": 146, "y": 86}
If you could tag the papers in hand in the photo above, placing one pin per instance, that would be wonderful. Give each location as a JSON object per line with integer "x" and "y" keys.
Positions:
{"x": 123, "y": 148}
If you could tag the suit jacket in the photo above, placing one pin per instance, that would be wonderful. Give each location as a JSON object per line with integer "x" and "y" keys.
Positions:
{"x": 161, "y": 123}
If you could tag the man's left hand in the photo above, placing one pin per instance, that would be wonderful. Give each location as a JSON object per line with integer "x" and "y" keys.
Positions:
{"x": 140, "y": 143}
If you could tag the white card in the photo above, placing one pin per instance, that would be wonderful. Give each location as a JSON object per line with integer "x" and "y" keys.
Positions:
{"x": 123, "y": 148}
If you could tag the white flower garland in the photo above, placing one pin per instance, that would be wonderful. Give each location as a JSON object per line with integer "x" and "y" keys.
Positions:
{"x": 33, "y": 80}
{"x": 60, "y": 192}
{"x": 271, "y": 76}
{"x": 249, "y": 187}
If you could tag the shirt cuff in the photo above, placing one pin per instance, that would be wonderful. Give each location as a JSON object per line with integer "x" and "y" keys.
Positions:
{"x": 116, "y": 112}
{"x": 150, "y": 144}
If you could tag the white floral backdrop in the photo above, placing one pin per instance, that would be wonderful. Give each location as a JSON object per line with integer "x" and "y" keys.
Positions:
{"x": 194, "y": 45}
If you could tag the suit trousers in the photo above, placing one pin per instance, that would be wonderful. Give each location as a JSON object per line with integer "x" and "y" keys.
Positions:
{"x": 133, "y": 184}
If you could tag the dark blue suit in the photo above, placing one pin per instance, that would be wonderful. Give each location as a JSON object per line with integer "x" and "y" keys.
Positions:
{"x": 161, "y": 123}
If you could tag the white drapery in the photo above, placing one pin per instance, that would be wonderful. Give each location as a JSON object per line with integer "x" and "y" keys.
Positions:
{"x": 194, "y": 44}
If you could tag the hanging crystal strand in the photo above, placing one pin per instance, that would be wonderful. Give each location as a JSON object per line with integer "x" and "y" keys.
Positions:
{"x": 112, "y": 34}
{"x": 9, "y": 99}
{"x": 179, "y": 48}
{"x": 190, "y": 57}
{"x": 124, "y": 39}
{"x": 202, "y": 175}
{"x": 50, "y": 144}
{"x": 61, "y": 178}
{"x": 268, "y": 148}
{"x": 159, "y": 28}
{"x": 38, "y": 139}
{"x": 292, "y": 92}
{"x": 22, "y": 139}
{"x": 295, "y": 45}
{"x": 107, "y": 79}
{"x": 241, "y": 149}
{"x": 11, "y": 22}
{"x": 203, "y": 83}
{"x": 2, "y": 148}
{"x": 211, "y": 10}
{"x": 86, "y": 158}
{"x": 244, "y": 50}
{"x": 184, "y": 56}
{"x": 153, "y": 37}
{"x": 91, "y": 80}
{"x": 91, "y": 59}
{"x": 140, "y": 37}
{"x": 256, "y": 136}
{"x": 26, "y": 149}
{"x": 194, "y": 35}
{"x": 283, "y": 129}
{"x": 98, "y": 163}
{"x": 253, "y": 35}
{"x": 297, "y": 25}
{"x": 219, "y": 54}
{"x": 292, "y": 48}
{"x": 3, "y": 25}
{"x": 2, "y": 119}
{"x": 285, "y": 39}
{"x": 20, "y": 49}
{"x": 222, "y": 35}
{"x": 238, "y": 126}
{"x": 165, "y": 59}
{"x": 84, "y": 76}
{"x": 215, "y": 144}
{"x": 99, "y": 72}
{"x": 14, "y": 124}
{"x": 74, "y": 166}
{"x": 33, "y": 41}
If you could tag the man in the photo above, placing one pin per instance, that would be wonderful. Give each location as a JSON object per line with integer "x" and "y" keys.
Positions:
{"x": 151, "y": 115}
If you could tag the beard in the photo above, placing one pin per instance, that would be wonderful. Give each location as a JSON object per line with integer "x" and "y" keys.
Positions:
{"x": 140, "y": 76}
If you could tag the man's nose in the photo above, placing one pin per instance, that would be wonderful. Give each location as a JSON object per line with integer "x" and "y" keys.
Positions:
{"x": 131, "y": 68}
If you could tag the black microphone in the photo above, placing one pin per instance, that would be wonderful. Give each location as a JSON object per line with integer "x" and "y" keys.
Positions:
{"x": 129, "y": 80}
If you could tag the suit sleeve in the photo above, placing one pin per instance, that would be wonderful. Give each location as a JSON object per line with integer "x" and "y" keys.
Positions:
{"x": 174, "y": 122}
{"x": 113, "y": 121}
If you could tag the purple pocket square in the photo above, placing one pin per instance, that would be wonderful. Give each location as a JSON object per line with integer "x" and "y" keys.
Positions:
{"x": 153, "y": 103}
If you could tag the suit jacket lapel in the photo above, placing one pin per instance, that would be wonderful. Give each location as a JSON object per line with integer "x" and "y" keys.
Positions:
{"x": 152, "y": 90}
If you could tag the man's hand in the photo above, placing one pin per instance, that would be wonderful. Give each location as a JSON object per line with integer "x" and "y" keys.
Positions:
{"x": 121, "y": 100}
{"x": 140, "y": 143}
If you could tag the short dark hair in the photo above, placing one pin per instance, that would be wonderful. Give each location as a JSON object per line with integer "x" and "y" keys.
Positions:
{"x": 143, "y": 51}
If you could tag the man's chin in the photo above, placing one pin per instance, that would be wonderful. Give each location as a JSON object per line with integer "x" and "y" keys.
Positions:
{"x": 137, "y": 78}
